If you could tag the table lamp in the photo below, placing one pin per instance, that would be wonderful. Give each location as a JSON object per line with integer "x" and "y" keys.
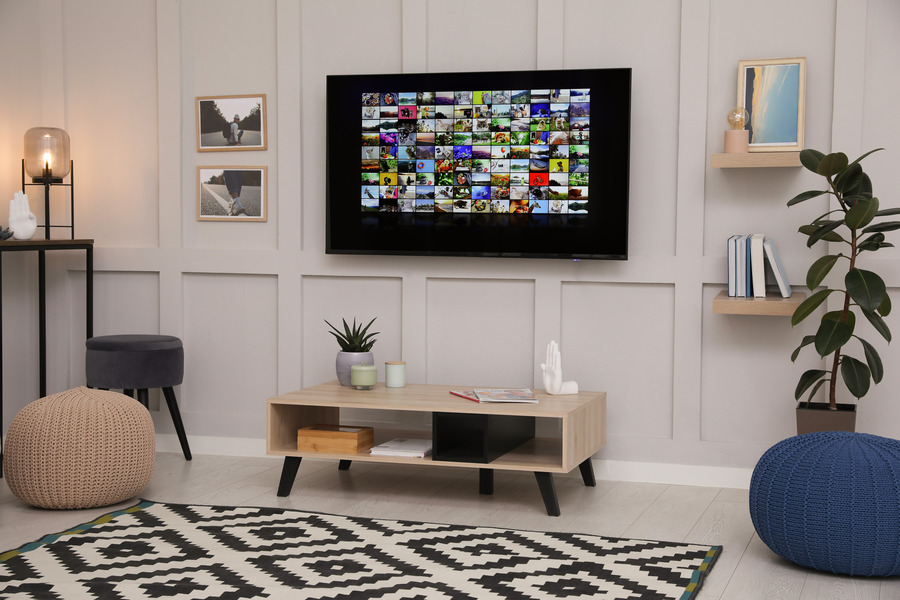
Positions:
{"x": 737, "y": 139}
{"x": 47, "y": 162}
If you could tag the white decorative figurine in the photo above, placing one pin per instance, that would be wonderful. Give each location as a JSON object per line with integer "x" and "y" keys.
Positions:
{"x": 22, "y": 221}
{"x": 552, "y": 370}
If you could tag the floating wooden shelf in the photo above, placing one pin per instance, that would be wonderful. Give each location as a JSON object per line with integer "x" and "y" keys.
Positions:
{"x": 773, "y": 305}
{"x": 755, "y": 159}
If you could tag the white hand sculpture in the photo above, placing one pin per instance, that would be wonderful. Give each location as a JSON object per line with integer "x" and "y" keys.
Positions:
{"x": 21, "y": 220}
{"x": 552, "y": 371}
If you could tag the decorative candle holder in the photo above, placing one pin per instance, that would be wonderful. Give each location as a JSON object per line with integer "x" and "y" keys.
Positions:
{"x": 395, "y": 374}
{"x": 363, "y": 376}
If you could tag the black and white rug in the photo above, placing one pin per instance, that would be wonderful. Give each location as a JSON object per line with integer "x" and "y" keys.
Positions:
{"x": 173, "y": 551}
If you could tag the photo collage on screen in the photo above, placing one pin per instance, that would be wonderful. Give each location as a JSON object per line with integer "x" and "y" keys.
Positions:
{"x": 476, "y": 151}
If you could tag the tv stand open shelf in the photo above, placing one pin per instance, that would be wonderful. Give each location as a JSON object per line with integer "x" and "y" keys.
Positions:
{"x": 579, "y": 418}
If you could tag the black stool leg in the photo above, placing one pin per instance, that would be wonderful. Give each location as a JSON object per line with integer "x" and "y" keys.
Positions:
{"x": 144, "y": 398}
{"x": 176, "y": 420}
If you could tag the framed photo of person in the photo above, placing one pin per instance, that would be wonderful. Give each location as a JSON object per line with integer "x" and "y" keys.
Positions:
{"x": 231, "y": 194}
{"x": 231, "y": 123}
{"x": 774, "y": 93}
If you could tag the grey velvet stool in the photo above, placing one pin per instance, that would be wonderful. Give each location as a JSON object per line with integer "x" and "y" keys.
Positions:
{"x": 139, "y": 362}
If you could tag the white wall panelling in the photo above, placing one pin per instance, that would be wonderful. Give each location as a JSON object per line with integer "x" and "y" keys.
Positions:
{"x": 248, "y": 299}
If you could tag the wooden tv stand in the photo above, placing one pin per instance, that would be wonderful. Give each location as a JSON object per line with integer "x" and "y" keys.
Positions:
{"x": 580, "y": 420}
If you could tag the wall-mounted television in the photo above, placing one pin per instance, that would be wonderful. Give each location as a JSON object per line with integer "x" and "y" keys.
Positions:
{"x": 531, "y": 164}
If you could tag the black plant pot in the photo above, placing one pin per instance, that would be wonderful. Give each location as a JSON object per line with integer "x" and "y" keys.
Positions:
{"x": 816, "y": 416}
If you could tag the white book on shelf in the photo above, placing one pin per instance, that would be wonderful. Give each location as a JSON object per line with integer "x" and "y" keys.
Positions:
{"x": 758, "y": 265}
{"x": 777, "y": 269}
{"x": 412, "y": 447}
{"x": 732, "y": 265}
{"x": 741, "y": 244}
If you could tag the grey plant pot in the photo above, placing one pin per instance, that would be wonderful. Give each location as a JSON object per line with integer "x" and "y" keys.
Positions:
{"x": 816, "y": 416}
{"x": 345, "y": 360}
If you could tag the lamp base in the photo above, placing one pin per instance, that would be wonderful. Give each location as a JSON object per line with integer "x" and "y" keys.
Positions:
{"x": 737, "y": 141}
{"x": 46, "y": 180}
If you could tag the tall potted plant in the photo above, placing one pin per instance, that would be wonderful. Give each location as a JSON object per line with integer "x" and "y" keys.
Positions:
{"x": 356, "y": 345}
{"x": 856, "y": 224}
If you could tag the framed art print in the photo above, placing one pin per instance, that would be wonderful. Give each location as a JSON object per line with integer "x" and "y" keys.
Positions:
{"x": 231, "y": 194}
{"x": 231, "y": 123}
{"x": 774, "y": 93}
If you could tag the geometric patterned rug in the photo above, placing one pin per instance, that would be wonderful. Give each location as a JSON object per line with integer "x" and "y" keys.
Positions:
{"x": 177, "y": 551}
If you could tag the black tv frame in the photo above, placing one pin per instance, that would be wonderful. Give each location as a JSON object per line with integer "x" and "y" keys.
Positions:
{"x": 602, "y": 233}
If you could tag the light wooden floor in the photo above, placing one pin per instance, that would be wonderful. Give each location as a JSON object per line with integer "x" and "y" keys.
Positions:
{"x": 746, "y": 570}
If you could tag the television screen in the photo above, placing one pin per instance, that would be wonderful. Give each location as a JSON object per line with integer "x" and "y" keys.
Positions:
{"x": 513, "y": 164}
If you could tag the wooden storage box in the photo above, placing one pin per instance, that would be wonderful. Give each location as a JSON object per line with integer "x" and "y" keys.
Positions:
{"x": 336, "y": 439}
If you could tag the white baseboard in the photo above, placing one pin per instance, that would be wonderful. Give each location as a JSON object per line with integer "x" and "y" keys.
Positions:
{"x": 700, "y": 475}
{"x": 608, "y": 470}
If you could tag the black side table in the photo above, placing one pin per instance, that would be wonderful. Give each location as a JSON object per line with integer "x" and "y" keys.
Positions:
{"x": 41, "y": 247}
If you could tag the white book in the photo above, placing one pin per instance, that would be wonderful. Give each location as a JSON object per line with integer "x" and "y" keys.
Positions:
{"x": 412, "y": 447}
{"x": 758, "y": 265}
{"x": 777, "y": 269}
{"x": 741, "y": 244}
{"x": 732, "y": 265}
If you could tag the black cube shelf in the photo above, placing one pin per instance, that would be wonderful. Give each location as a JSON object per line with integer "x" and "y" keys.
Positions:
{"x": 477, "y": 438}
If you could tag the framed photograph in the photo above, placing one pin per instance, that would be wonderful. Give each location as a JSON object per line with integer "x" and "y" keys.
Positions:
{"x": 231, "y": 194}
{"x": 774, "y": 93}
{"x": 231, "y": 123}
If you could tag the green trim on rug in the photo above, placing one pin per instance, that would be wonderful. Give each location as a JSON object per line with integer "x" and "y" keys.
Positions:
{"x": 52, "y": 537}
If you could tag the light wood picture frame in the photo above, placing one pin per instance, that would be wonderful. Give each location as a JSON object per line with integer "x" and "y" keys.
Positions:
{"x": 774, "y": 93}
{"x": 232, "y": 194}
{"x": 228, "y": 123}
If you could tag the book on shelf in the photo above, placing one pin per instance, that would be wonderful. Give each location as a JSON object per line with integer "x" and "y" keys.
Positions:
{"x": 410, "y": 447}
{"x": 732, "y": 265}
{"x": 747, "y": 256}
{"x": 777, "y": 269}
{"x": 757, "y": 265}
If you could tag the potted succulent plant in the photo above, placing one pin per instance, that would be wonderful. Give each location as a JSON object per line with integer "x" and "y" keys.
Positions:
{"x": 855, "y": 223}
{"x": 356, "y": 345}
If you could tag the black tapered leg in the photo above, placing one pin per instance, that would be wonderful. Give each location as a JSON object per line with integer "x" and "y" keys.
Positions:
{"x": 128, "y": 392}
{"x": 344, "y": 465}
{"x": 144, "y": 398}
{"x": 176, "y": 420}
{"x": 548, "y": 492}
{"x": 485, "y": 481}
{"x": 587, "y": 473}
{"x": 288, "y": 474}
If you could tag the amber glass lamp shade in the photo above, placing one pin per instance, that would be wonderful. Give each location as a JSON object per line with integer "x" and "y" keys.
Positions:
{"x": 47, "y": 157}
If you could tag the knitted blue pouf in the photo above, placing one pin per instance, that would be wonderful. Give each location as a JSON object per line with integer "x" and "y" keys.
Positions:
{"x": 831, "y": 501}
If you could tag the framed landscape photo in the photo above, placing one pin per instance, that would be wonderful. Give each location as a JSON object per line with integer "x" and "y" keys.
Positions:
{"x": 774, "y": 93}
{"x": 231, "y": 194}
{"x": 231, "y": 123}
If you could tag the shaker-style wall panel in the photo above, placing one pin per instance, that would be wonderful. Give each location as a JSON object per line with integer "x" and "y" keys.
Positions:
{"x": 111, "y": 114}
{"x": 337, "y": 298}
{"x": 230, "y": 353}
{"x": 480, "y": 332}
{"x": 643, "y": 35}
{"x": 618, "y": 338}
{"x": 228, "y": 48}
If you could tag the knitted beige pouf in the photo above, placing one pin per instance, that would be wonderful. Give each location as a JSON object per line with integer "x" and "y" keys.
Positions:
{"x": 79, "y": 449}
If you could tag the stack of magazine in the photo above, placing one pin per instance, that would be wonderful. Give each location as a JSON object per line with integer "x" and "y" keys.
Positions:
{"x": 409, "y": 447}
{"x": 497, "y": 395}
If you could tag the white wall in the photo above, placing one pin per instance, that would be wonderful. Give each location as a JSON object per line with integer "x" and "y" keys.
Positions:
{"x": 248, "y": 299}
